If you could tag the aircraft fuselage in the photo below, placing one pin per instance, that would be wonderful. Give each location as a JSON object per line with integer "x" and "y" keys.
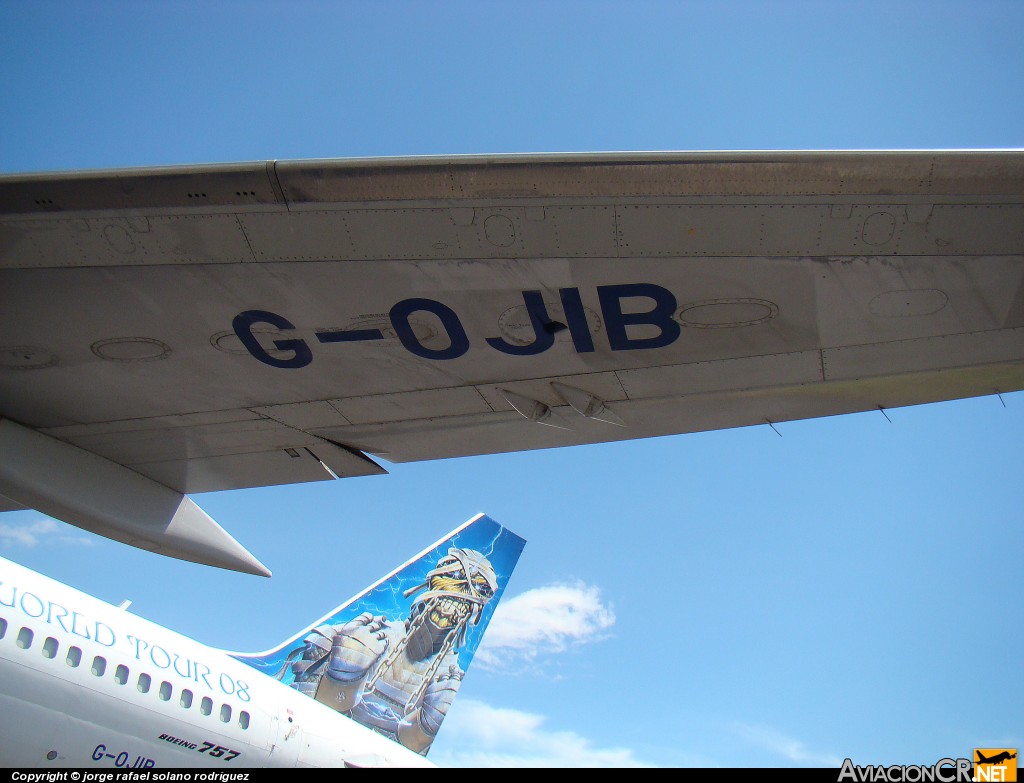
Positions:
{"x": 83, "y": 683}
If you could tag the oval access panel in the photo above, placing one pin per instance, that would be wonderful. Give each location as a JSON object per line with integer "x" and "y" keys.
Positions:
{"x": 228, "y": 342}
{"x": 516, "y": 327}
{"x": 131, "y": 349}
{"x": 727, "y": 313}
{"x": 424, "y": 331}
{"x": 899, "y": 304}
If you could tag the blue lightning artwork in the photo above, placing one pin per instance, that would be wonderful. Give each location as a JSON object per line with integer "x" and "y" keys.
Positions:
{"x": 394, "y": 656}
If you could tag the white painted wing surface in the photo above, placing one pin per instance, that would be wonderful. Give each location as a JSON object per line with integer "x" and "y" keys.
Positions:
{"x": 228, "y": 326}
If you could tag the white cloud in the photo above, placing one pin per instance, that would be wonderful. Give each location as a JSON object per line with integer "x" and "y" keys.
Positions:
{"x": 38, "y": 530}
{"x": 547, "y": 619}
{"x": 476, "y": 734}
{"x": 792, "y": 750}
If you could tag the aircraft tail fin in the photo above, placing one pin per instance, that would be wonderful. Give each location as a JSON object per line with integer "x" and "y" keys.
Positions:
{"x": 393, "y": 657}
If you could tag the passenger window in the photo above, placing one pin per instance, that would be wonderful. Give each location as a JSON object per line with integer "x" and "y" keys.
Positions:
{"x": 3, "y": 628}
{"x": 165, "y": 691}
{"x": 206, "y": 705}
{"x": 186, "y": 698}
{"x": 121, "y": 674}
{"x": 144, "y": 682}
{"x": 25, "y": 638}
{"x": 225, "y": 713}
{"x": 50, "y": 647}
{"x": 74, "y": 657}
{"x": 99, "y": 666}
{"x": 243, "y": 719}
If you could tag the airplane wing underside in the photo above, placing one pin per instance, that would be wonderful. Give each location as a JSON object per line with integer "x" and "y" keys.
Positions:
{"x": 234, "y": 326}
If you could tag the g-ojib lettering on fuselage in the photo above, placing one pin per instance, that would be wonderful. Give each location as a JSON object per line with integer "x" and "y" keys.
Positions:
{"x": 658, "y": 317}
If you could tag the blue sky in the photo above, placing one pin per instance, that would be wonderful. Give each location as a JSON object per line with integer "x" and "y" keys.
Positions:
{"x": 733, "y": 598}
